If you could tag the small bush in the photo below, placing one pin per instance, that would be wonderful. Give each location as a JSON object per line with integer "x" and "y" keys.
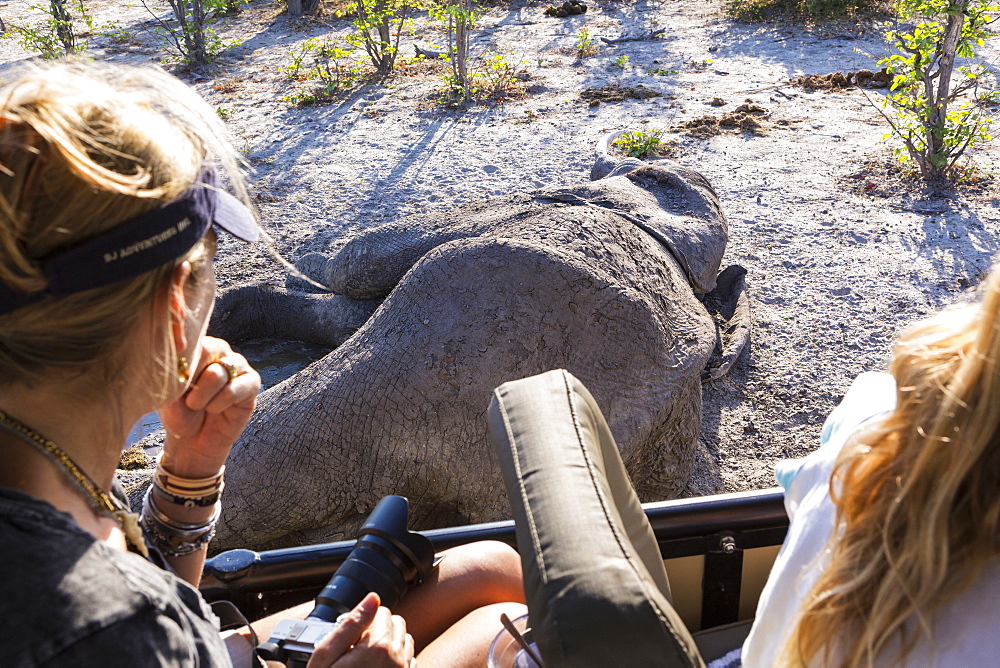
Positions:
{"x": 939, "y": 110}
{"x": 584, "y": 45}
{"x": 323, "y": 60}
{"x": 56, "y": 35}
{"x": 496, "y": 78}
{"x": 641, "y": 143}
{"x": 493, "y": 78}
{"x": 660, "y": 71}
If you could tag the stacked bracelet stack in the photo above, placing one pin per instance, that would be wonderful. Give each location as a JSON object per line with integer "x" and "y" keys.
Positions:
{"x": 187, "y": 492}
{"x": 171, "y": 537}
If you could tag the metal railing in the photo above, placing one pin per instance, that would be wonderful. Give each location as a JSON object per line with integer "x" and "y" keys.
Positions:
{"x": 719, "y": 526}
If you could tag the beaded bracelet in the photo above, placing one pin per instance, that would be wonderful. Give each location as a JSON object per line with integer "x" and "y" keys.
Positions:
{"x": 173, "y": 538}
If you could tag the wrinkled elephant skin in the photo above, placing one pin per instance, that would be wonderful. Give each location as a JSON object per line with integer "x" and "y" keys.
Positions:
{"x": 474, "y": 297}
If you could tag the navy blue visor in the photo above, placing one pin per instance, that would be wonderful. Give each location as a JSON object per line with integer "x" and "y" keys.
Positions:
{"x": 140, "y": 244}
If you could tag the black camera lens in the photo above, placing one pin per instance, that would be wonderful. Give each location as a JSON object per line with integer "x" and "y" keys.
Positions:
{"x": 387, "y": 559}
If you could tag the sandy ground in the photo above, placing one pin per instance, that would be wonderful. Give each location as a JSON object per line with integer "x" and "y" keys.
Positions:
{"x": 839, "y": 259}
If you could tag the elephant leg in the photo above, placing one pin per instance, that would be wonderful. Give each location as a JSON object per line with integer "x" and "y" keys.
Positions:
{"x": 729, "y": 306}
{"x": 314, "y": 266}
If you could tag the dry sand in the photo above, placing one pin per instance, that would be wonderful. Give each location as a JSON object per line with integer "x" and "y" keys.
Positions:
{"x": 839, "y": 259}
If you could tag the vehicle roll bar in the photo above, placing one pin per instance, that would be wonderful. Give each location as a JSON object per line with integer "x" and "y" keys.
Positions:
{"x": 723, "y": 524}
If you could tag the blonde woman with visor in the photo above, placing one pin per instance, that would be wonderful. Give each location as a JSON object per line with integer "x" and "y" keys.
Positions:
{"x": 108, "y": 198}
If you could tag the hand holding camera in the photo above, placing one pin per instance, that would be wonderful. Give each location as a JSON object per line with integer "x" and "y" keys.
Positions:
{"x": 368, "y": 636}
{"x": 386, "y": 560}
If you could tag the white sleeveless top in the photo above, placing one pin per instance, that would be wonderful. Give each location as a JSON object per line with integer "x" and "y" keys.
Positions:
{"x": 966, "y": 631}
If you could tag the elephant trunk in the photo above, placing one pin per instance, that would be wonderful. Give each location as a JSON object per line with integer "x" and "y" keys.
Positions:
{"x": 605, "y": 166}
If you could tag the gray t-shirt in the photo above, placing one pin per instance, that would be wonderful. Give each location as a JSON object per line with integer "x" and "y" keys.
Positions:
{"x": 67, "y": 599}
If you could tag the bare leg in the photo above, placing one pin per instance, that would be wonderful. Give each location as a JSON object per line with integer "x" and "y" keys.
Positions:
{"x": 240, "y": 644}
{"x": 453, "y": 614}
{"x": 466, "y": 643}
{"x": 469, "y": 577}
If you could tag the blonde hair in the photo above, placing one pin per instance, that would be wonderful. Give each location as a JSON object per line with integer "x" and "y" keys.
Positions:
{"x": 85, "y": 147}
{"x": 917, "y": 496}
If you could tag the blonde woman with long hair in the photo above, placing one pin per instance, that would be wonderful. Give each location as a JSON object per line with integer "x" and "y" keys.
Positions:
{"x": 109, "y": 201}
{"x": 891, "y": 558}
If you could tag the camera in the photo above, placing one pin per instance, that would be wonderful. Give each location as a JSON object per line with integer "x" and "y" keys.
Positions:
{"x": 387, "y": 559}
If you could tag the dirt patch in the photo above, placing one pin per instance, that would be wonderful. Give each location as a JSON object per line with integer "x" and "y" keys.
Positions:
{"x": 618, "y": 93}
{"x": 421, "y": 66}
{"x": 885, "y": 178}
{"x": 746, "y": 118}
{"x": 499, "y": 89}
{"x": 844, "y": 80}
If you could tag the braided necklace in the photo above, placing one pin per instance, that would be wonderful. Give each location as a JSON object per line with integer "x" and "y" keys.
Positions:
{"x": 112, "y": 507}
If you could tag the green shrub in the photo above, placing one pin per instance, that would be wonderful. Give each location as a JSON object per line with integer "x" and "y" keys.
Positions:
{"x": 323, "y": 60}
{"x": 584, "y": 45}
{"x": 56, "y": 35}
{"x": 496, "y": 78}
{"x": 641, "y": 143}
{"x": 937, "y": 109}
{"x": 493, "y": 77}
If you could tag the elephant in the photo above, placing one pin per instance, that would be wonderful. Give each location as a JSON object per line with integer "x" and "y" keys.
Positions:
{"x": 425, "y": 315}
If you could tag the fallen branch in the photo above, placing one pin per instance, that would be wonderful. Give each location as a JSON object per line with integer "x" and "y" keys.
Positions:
{"x": 912, "y": 210}
{"x": 653, "y": 34}
{"x": 430, "y": 54}
{"x": 762, "y": 90}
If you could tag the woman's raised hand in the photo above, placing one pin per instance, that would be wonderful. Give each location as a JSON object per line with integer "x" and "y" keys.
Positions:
{"x": 204, "y": 422}
{"x": 369, "y": 636}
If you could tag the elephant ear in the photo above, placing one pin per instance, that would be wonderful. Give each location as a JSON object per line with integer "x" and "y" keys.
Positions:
{"x": 674, "y": 205}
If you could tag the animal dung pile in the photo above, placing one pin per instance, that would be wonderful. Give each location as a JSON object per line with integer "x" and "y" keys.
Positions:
{"x": 840, "y": 80}
{"x": 747, "y": 117}
{"x": 135, "y": 458}
{"x": 568, "y": 8}
{"x": 616, "y": 93}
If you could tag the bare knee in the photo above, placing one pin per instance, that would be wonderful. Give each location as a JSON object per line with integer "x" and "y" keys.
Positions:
{"x": 466, "y": 643}
{"x": 493, "y": 567}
